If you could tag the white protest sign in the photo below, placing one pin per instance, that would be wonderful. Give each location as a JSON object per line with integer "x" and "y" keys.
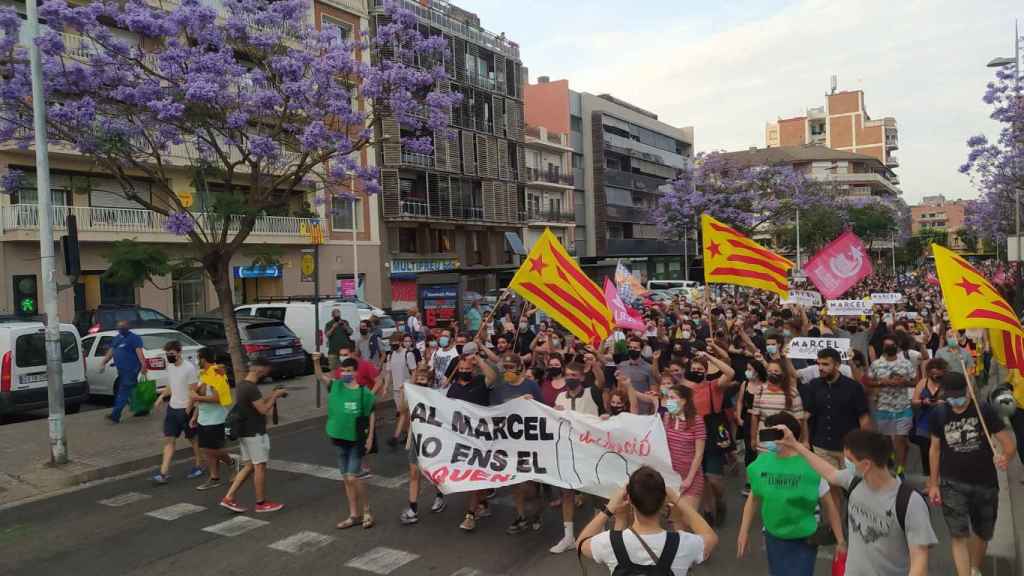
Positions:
{"x": 849, "y": 307}
{"x": 908, "y": 315}
{"x": 808, "y": 298}
{"x": 886, "y": 298}
{"x": 807, "y": 348}
{"x": 462, "y": 446}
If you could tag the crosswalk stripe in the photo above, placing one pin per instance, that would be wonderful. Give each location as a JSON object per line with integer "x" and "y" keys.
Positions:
{"x": 124, "y": 499}
{"x": 470, "y": 572}
{"x": 381, "y": 560}
{"x": 387, "y": 482}
{"x": 176, "y": 511}
{"x": 330, "y": 473}
{"x": 302, "y": 542}
{"x": 235, "y": 526}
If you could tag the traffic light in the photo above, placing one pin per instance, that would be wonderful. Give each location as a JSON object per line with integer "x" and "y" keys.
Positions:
{"x": 26, "y": 295}
{"x": 69, "y": 245}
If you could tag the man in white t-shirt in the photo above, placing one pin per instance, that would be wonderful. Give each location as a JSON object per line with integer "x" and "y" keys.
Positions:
{"x": 181, "y": 376}
{"x": 646, "y": 495}
{"x": 442, "y": 357}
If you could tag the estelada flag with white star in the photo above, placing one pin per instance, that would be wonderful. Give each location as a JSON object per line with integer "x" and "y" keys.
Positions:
{"x": 974, "y": 302}
{"x": 551, "y": 280}
{"x": 732, "y": 258}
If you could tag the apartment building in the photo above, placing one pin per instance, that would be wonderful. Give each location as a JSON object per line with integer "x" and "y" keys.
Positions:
{"x": 842, "y": 124}
{"x": 936, "y": 213}
{"x": 104, "y": 216}
{"x": 550, "y": 179}
{"x": 451, "y": 210}
{"x": 621, "y": 156}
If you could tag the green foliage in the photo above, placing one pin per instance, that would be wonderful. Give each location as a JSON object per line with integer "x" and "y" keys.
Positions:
{"x": 933, "y": 236}
{"x": 872, "y": 222}
{"x": 818, "y": 226}
{"x": 136, "y": 263}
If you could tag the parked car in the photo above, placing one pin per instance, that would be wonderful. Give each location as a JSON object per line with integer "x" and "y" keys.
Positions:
{"x": 23, "y": 382}
{"x": 299, "y": 317}
{"x": 95, "y": 346}
{"x": 261, "y": 338}
{"x": 665, "y": 284}
{"x": 106, "y": 317}
{"x": 388, "y": 326}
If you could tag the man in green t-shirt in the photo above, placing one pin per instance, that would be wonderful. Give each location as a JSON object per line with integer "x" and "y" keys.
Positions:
{"x": 787, "y": 491}
{"x": 347, "y": 402}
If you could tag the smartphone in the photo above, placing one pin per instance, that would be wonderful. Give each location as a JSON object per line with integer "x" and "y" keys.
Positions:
{"x": 769, "y": 435}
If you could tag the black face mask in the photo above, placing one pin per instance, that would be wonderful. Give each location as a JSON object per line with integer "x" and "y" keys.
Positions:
{"x": 458, "y": 348}
{"x": 574, "y": 383}
{"x": 694, "y": 376}
{"x": 364, "y": 331}
{"x": 890, "y": 350}
{"x": 554, "y": 372}
{"x": 616, "y": 410}
{"x": 634, "y": 354}
{"x": 172, "y": 358}
{"x": 465, "y": 376}
{"x": 775, "y": 378}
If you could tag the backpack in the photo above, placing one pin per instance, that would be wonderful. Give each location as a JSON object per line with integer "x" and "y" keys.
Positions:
{"x": 663, "y": 564}
{"x": 902, "y": 501}
{"x": 233, "y": 423}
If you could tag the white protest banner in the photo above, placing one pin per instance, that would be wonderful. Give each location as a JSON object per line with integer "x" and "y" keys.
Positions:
{"x": 886, "y": 298}
{"x": 462, "y": 446}
{"x": 909, "y": 315}
{"x": 849, "y": 307}
{"x": 807, "y": 348}
{"x": 807, "y": 298}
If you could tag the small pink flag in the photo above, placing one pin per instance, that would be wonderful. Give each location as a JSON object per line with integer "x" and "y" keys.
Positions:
{"x": 839, "y": 266}
{"x": 620, "y": 313}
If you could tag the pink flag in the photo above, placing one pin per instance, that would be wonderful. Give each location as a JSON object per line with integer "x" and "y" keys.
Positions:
{"x": 839, "y": 266}
{"x": 620, "y": 313}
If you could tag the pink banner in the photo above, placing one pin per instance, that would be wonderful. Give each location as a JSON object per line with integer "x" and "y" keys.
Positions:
{"x": 620, "y": 313}
{"x": 839, "y": 266}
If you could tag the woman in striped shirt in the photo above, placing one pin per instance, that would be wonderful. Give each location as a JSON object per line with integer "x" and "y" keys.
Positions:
{"x": 779, "y": 394}
{"x": 686, "y": 436}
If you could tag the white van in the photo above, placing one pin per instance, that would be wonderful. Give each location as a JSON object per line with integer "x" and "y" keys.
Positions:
{"x": 667, "y": 284}
{"x": 299, "y": 317}
{"x": 23, "y": 383}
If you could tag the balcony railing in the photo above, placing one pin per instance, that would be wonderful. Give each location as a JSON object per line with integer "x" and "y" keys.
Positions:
{"x": 537, "y": 215}
{"x": 422, "y": 209}
{"x": 436, "y": 14}
{"x": 414, "y": 159}
{"x": 535, "y": 175}
{"x": 545, "y": 136}
{"x": 129, "y": 220}
{"x": 622, "y": 179}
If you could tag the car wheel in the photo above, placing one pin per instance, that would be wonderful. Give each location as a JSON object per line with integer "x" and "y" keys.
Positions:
{"x": 73, "y": 408}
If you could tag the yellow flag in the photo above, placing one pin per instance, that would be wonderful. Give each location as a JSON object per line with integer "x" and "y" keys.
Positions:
{"x": 732, "y": 258}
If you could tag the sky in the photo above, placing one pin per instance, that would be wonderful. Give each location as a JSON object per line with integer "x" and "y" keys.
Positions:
{"x": 726, "y": 68}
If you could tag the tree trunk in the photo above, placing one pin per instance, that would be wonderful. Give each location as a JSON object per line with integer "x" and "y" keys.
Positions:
{"x": 218, "y": 266}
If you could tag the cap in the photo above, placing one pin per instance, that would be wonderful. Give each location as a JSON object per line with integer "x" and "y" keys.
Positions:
{"x": 470, "y": 349}
{"x": 512, "y": 360}
{"x": 953, "y": 383}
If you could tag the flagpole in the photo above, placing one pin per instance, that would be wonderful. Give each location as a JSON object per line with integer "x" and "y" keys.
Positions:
{"x": 974, "y": 398}
{"x": 798, "y": 264}
{"x": 686, "y": 252}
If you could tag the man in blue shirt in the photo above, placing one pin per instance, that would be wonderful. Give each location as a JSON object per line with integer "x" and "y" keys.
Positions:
{"x": 126, "y": 350}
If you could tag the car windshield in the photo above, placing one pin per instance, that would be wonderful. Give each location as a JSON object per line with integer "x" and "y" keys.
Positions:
{"x": 386, "y": 322}
{"x": 156, "y": 341}
{"x": 268, "y": 331}
{"x": 113, "y": 316}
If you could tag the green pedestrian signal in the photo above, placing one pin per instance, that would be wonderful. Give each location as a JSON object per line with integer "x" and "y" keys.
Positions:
{"x": 27, "y": 305}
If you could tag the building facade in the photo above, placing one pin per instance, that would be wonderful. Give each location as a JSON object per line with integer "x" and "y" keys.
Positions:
{"x": 104, "y": 216}
{"x": 550, "y": 201}
{"x": 451, "y": 210}
{"x": 937, "y": 214}
{"x": 842, "y": 124}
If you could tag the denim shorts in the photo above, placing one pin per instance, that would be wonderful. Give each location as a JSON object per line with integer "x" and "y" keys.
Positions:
{"x": 176, "y": 422}
{"x": 350, "y": 457}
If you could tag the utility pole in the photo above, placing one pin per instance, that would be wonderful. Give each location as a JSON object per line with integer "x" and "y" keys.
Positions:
{"x": 799, "y": 266}
{"x": 355, "y": 246}
{"x": 47, "y": 264}
{"x": 893, "y": 253}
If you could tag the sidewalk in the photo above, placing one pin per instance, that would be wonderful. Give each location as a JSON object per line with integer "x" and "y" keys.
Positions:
{"x": 99, "y": 449}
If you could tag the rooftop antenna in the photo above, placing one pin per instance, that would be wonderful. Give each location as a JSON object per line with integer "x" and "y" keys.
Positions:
{"x": 834, "y": 83}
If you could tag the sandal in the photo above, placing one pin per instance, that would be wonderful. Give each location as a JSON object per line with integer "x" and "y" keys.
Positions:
{"x": 348, "y": 523}
{"x": 367, "y": 521}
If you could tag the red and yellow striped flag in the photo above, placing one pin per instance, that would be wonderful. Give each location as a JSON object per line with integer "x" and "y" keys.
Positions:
{"x": 552, "y": 281}
{"x": 732, "y": 258}
{"x": 974, "y": 302}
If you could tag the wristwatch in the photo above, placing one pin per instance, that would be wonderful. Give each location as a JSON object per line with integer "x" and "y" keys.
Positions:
{"x": 603, "y": 508}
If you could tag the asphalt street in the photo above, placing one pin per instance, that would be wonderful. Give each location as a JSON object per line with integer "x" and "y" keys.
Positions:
{"x": 130, "y": 526}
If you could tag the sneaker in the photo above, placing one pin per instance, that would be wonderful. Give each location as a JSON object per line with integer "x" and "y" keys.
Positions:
{"x": 408, "y": 517}
{"x": 564, "y": 545}
{"x": 483, "y": 511}
{"x": 232, "y": 505}
{"x": 160, "y": 479}
{"x": 364, "y": 474}
{"x": 195, "y": 472}
{"x": 112, "y": 420}
{"x": 439, "y": 504}
{"x": 210, "y": 483}
{"x": 268, "y": 506}
{"x": 536, "y": 523}
{"x": 468, "y": 523}
{"x": 518, "y": 526}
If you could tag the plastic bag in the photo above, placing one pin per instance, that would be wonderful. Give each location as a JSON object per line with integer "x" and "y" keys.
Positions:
{"x": 839, "y": 563}
{"x": 144, "y": 396}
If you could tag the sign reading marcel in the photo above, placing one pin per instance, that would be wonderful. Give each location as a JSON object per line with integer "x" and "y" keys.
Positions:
{"x": 462, "y": 446}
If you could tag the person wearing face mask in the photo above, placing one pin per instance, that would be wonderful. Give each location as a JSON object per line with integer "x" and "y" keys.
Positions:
{"x": 686, "y": 438}
{"x": 955, "y": 352}
{"x": 778, "y": 394}
{"x": 126, "y": 351}
{"x": 553, "y": 381}
{"x": 639, "y": 372}
{"x": 963, "y": 477}
{"x": 787, "y": 492}
{"x": 891, "y": 375}
{"x": 368, "y": 343}
{"x": 442, "y": 358}
{"x": 889, "y": 525}
{"x": 709, "y": 400}
{"x": 347, "y": 402}
{"x": 927, "y": 397}
{"x": 618, "y": 403}
{"x": 181, "y": 377}
{"x": 403, "y": 360}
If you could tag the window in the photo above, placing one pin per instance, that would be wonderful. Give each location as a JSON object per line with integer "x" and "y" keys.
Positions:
{"x": 148, "y": 314}
{"x": 157, "y": 340}
{"x": 442, "y": 240}
{"x": 576, "y": 124}
{"x": 268, "y": 331}
{"x": 276, "y": 313}
{"x": 87, "y": 345}
{"x": 188, "y": 293}
{"x": 343, "y": 30}
{"x": 30, "y": 349}
{"x": 407, "y": 240}
{"x": 341, "y": 214}
{"x": 103, "y": 346}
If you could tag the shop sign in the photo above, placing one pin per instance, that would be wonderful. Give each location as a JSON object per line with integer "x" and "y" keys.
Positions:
{"x": 409, "y": 266}
{"x": 273, "y": 271}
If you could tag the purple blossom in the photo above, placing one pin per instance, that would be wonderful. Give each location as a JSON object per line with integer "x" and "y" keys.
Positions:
{"x": 180, "y": 224}
{"x": 12, "y": 181}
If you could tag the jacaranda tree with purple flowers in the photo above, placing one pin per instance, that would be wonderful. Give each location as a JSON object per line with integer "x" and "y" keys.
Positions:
{"x": 246, "y": 95}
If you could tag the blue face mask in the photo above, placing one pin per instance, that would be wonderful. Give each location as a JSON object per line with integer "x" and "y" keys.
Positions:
{"x": 852, "y": 467}
{"x": 443, "y": 341}
{"x": 346, "y": 378}
{"x": 672, "y": 406}
{"x": 772, "y": 349}
{"x": 786, "y": 333}
{"x": 959, "y": 402}
{"x": 770, "y": 446}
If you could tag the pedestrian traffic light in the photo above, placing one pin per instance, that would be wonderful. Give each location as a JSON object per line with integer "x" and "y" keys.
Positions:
{"x": 69, "y": 245}
{"x": 26, "y": 297}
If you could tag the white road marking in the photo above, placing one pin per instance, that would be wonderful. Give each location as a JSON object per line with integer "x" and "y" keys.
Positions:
{"x": 235, "y": 526}
{"x": 470, "y": 572}
{"x": 124, "y": 499}
{"x": 386, "y": 482}
{"x": 302, "y": 542}
{"x": 381, "y": 560}
{"x": 176, "y": 511}
{"x": 331, "y": 473}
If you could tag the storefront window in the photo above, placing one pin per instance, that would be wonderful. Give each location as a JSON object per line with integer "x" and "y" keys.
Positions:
{"x": 189, "y": 294}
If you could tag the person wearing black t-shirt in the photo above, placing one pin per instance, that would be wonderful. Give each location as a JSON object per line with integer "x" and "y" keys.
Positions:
{"x": 470, "y": 384}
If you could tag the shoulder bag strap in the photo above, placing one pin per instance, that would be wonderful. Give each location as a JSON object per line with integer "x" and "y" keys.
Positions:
{"x": 619, "y": 548}
{"x": 668, "y": 553}
{"x": 903, "y": 497}
{"x": 654, "y": 557}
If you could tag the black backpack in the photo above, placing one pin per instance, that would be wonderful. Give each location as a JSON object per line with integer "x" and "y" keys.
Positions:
{"x": 233, "y": 423}
{"x": 663, "y": 565}
{"x": 902, "y": 501}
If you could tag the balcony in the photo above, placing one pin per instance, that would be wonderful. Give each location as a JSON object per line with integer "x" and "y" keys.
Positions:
{"x": 416, "y": 208}
{"x": 533, "y": 176}
{"x": 414, "y": 159}
{"x": 538, "y": 135}
{"x": 437, "y": 15}
{"x": 550, "y": 216}
{"x": 21, "y": 222}
{"x": 633, "y": 214}
{"x": 892, "y": 161}
{"x": 621, "y": 179}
